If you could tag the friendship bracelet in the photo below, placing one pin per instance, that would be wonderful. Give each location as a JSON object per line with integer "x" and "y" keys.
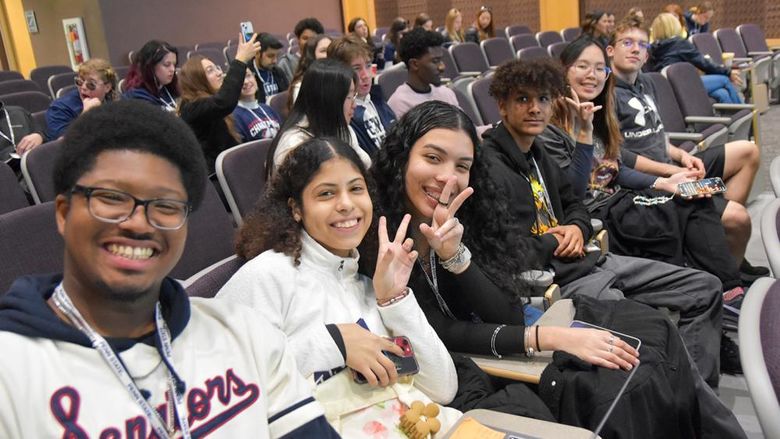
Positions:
{"x": 394, "y": 299}
{"x": 493, "y": 341}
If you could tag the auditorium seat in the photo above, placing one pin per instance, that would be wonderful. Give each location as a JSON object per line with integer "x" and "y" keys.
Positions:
{"x": 391, "y": 79}
{"x": 215, "y": 55}
{"x": 469, "y": 57}
{"x": 486, "y": 104}
{"x": 468, "y": 106}
{"x": 696, "y": 107}
{"x": 209, "y": 236}
{"x": 241, "y": 175}
{"x": 770, "y": 234}
{"x": 774, "y": 177}
{"x": 532, "y": 53}
{"x": 680, "y": 133}
{"x": 9, "y": 75}
{"x": 555, "y": 49}
{"x": 278, "y": 103}
{"x": 545, "y": 38}
{"x": 730, "y": 41}
{"x": 497, "y": 51}
{"x": 40, "y": 75}
{"x": 38, "y": 168}
{"x": 523, "y": 41}
{"x": 58, "y": 81}
{"x": 570, "y": 34}
{"x": 31, "y": 101}
{"x": 210, "y": 45}
{"x": 18, "y": 86}
{"x": 759, "y": 350}
{"x": 208, "y": 282}
{"x": 29, "y": 243}
{"x": 755, "y": 43}
{"x": 11, "y": 194}
{"x": 516, "y": 29}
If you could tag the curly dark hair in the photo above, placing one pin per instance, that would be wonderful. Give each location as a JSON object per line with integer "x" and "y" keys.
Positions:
{"x": 310, "y": 23}
{"x": 513, "y": 76}
{"x": 131, "y": 125}
{"x": 416, "y": 42}
{"x": 484, "y": 215}
{"x": 271, "y": 225}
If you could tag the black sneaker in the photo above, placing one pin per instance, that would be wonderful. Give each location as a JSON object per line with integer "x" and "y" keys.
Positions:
{"x": 729, "y": 356}
{"x": 749, "y": 273}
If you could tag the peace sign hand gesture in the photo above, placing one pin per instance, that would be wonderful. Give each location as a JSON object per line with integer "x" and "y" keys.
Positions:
{"x": 445, "y": 232}
{"x": 394, "y": 262}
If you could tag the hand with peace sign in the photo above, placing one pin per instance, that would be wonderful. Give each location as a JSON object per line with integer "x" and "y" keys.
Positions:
{"x": 445, "y": 232}
{"x": 584, "y": 112}
{"x": 394, "y": 262}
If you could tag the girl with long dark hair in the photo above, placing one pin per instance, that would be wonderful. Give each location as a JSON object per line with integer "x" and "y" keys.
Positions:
{"x": 316, "y": 48}
{"x": 152, "y": 76}
{"x": 467, "y": 282}
{"x": 301, "y": 275}
{"x": 323, "y": 109}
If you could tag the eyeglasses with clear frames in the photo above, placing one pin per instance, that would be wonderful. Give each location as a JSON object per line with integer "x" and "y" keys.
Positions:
{"x": 113, "y": 206}
{"x": 628, "y": 43}
{"x": 600, "y": 71}
{"x": 213, "y": 69}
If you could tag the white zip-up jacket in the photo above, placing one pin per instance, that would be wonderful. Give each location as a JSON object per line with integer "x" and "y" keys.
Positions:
{"x": 324, "y": 289}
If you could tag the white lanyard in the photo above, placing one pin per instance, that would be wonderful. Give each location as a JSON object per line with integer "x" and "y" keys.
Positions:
{"x": 169, "y": 106}
{"x": 11, "y": 139}
{"x": 259, "y": 76}
{"x": 64, "y": 304}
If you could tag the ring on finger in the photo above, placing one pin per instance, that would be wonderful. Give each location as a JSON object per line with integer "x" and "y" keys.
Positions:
{"x": 610, "y": 349}
{"x": 442, "y": 203}
{"x": 611, "y": 340}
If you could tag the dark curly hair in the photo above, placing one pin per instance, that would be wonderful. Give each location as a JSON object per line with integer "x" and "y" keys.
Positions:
{"x": 131, "y": 125}
{"x": 310, "y": 23}
{"x": 416, "y": 42}
{"x": 484, "y": 215}
{"x": 513, "y": 76}
{"x": 271, "y": 226}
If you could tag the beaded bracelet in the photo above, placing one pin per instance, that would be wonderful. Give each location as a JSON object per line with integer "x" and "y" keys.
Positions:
{"x": 493, "y": 341}
{"x": 394, "y": 299}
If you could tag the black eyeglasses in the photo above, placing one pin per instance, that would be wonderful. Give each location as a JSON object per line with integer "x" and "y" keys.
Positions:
{"x": 113, "y": 206}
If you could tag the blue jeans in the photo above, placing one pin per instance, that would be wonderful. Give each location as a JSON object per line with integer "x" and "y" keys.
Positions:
{"x": 721, "y": 89}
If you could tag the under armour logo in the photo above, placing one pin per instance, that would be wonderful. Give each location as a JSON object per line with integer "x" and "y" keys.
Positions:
{"x": 637, "y": 105}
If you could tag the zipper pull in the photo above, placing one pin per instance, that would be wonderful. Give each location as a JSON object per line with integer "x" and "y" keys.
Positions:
{"x": 341, "y": 265}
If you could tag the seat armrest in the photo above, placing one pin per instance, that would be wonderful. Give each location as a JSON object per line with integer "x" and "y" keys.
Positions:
{"x": 707, "y": 119}
{"x": 596, "y": 224}
{"x": 733, "y": 107}
{"x": 761, "y": 53}
{"x": 694, "y": 137}
{"x": 475, "y": 74}
{"x": 739, "y": 60}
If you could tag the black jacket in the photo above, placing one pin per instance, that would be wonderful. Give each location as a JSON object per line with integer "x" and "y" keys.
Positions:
{"x": 510, "y": 170}
{"x": 673, "y": 50}
{"x": 386, "y": 116}
{"x": 206, "y": 116}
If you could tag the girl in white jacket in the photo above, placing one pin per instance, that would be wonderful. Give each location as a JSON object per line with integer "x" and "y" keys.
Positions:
{"x": 301, "y": 275}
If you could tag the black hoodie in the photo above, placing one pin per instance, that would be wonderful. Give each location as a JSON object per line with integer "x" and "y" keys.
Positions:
{"x": 510, "y": 170}
{"x": 673, "y": 50}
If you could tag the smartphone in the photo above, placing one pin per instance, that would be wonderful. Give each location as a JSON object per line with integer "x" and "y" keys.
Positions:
{"x": 632, "y": 341}
{"x": 707, "y": 186}
{"x": 404, "y": 365}
{"x": 247, "y": 30}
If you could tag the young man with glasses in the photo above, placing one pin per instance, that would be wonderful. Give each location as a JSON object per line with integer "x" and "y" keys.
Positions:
{"x": 115, "y": 347}
{"x": 372, "y": 117}
{"x": 647, "y": 149}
